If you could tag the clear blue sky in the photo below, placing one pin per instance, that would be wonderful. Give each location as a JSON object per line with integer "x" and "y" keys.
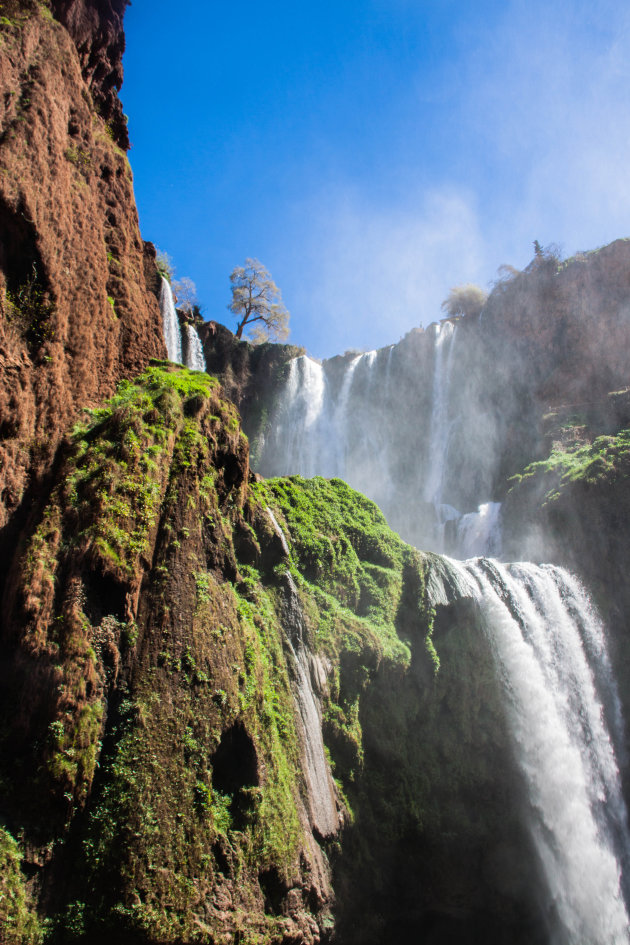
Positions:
{"x": 373, "y": 154}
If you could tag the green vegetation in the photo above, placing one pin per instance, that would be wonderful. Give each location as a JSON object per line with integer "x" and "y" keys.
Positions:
{"x": 362, "y": 592}
{"x": 78, "y": 156}
{"x": 116, "y": 475}
{"x": 347, "y": 554}
{"x": 604, "y": 461}
{"x": 30, "y": 308}
{"x": 164, "y": 265}
{"x": 18, "y": 920}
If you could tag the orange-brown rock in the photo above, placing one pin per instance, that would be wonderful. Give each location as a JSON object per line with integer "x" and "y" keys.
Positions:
{"x": 76, "y": 312}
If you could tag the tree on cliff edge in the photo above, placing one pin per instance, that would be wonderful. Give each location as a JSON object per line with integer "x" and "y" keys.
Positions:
{"x": 257, "y": 299}
{"x": 467, "y": 300}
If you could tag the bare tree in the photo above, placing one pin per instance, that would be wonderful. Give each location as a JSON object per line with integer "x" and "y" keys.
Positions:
{"x": 257, "y": 299}
{"x": 185, "y": 293}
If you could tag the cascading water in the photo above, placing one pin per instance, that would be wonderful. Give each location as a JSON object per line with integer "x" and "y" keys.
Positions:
{"x": 479, "y": 533}
{"x": 193, "y": 350}
{"x": 321, "y": 797}
{"x": 299, "y": 419}
{"x": 342, "y": 420}
{"x": 550, "y": 652}
{"x": 187, "y": 350}
{"x": 170, "y": 323}
{"x": 313, "y": 424}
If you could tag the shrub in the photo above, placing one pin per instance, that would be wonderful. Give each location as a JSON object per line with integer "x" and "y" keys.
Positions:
{"x": 467, "y": 300}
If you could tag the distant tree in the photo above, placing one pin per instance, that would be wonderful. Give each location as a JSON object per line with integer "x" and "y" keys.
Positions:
{"x": 257, "y": 299}
{"x": 546, "y": 257}
{"x": 185, "y": 294}
{"x": 465, "y": 299}
{"x": 506, "y": 274}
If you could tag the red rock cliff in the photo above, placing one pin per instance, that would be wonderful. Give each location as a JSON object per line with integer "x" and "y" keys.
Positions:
{"x": 76, "y": 308}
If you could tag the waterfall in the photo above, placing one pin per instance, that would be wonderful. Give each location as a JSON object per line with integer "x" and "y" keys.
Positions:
{"x": 313, "y": 422}
{"x": 298, "y": 421}
{"x": 193, "y": 349}
{"x": 561, "y": 703}
{"x": 357, "y": 418}
{"x": 342, "y": 419}
{"x": 321, "y": 797}
{"x": 187, "y": 350}
{"x": 479, "y": 533}
{"x": 439, "y": 431}
{"x": 170, "y": 323}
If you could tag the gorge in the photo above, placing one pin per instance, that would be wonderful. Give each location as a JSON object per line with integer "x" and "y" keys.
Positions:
{"x": 305, "y": 700}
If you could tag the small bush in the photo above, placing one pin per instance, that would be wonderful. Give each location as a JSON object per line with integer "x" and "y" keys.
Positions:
{"x": 164, "y": 265}
{"x": 467, "y": 300}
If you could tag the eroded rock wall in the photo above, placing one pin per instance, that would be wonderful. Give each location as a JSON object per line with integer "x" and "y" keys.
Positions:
{"x": 76, "y": 313}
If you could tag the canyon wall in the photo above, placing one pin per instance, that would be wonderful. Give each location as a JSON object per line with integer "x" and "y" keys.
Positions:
{"x": 76, "y": 293}
{"x": 237, "y": 710}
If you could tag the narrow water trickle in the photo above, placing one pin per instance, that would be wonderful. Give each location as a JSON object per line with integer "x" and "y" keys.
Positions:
{"x": 323, "y": 810}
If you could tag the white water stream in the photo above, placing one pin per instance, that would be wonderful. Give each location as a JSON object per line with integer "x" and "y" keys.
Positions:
{"x": 194, "y": 358}
{"x": 305, "y": 667}
{"x": 549, "y": 646}
{"x": 170, "y": 323}
{"x": 190, "y": 352}
{"x": 444, "y": 344}
{"x": 340, "y": 420}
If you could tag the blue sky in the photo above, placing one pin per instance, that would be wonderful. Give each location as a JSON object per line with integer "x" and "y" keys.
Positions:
{"x": 373, "y": 154}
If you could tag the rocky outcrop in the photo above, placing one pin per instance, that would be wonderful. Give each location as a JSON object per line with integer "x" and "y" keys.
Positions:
{"x": 251, "y": 375}
{"x": 135, "y": 643}
{"x": 76, "y": 313}
{"x": 96, "y": 28}
{"x": 183, "y": 641}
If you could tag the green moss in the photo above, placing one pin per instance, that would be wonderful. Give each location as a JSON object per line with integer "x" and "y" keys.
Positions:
{"x": 605, "y": 461}
{"x": 121, "y": 455}
{"x": 350, "y": 558}
{"x": 18, "y": 920}
{"x": 151, "y": 497}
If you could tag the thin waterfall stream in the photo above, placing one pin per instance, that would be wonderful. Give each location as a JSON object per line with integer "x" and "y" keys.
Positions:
{"x": 170, "y": 323}
{"x": 183, "y": 349}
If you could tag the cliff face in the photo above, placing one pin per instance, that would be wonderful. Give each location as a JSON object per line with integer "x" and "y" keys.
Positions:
{"x": 182, "y": 643}
{"x": 77, "y": 311}
{"x": 550, "y": 341}
{"x": 96, "y": 28}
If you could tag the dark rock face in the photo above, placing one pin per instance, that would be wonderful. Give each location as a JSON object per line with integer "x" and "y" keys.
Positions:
{"x": 251, "y": 375}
